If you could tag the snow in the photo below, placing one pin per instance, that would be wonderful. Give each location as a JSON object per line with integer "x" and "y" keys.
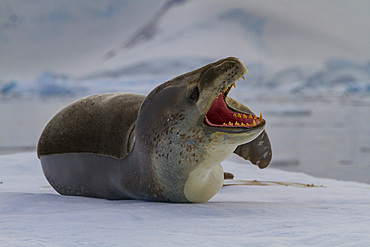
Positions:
{"x": 333, "y": 213}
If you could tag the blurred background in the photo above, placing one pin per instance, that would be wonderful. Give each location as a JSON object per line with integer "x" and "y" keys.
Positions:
{"x": 309, "y": 67}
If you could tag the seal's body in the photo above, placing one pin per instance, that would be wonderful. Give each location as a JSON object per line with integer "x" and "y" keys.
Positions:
{"x": 167, "y": 146}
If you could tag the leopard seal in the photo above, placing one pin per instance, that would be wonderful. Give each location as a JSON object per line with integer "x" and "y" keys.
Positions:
{"x": 167, "y": 146}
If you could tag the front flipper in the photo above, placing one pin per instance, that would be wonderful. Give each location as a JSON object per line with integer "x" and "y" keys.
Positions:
{"x": 259, "y": 150}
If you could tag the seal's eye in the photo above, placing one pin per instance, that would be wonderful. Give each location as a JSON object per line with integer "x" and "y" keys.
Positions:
{"x": 194, "y": 95}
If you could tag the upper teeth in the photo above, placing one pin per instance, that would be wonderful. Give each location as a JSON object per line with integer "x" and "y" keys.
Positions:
{"x": 256, "y": 120}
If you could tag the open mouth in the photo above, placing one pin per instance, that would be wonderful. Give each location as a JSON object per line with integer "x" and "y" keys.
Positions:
{"x": 222, "y": 115}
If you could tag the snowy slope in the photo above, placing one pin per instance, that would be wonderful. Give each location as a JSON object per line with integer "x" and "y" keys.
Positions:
{"x": 75, "y": 37}
{"x": 278, "y": 34}
{"x": 333, "y": 213}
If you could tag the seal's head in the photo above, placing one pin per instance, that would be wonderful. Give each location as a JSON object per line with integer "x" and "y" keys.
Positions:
{"x": 193, "y": 129}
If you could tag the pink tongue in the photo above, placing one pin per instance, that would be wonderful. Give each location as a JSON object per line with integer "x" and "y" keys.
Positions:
{"x": 219, "y": 114}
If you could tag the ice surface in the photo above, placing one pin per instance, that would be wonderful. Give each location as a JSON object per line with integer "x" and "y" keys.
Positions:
{"x": 334, "y": 214}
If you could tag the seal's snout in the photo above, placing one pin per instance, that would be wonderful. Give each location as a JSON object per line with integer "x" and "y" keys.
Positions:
{"x": 222, "y": 116}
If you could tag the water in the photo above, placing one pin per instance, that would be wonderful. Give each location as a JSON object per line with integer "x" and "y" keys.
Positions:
{"x": 22, "y": 121}
{"x": 324, "y": 139}
{"x": 332, "y": 140}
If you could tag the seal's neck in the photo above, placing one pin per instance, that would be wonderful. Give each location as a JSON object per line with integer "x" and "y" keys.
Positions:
{"x": 160, "y": 178}
{"x": 184, "y": 162}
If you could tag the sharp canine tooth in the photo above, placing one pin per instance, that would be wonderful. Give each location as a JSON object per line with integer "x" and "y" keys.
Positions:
{"x": 243, "y": 77}
{"x": 245, "y": 116}
{"x": 254, "y": 123}
{"x": 260, "y": 117}
{"x": 234, "y": 85}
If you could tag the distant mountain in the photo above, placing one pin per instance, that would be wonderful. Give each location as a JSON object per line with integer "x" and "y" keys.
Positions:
{"x": 157, "y": 67}
{"x": 288, "y": 46}
{"x": 339, "y": 78}
{"x": 72, "y": 37}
